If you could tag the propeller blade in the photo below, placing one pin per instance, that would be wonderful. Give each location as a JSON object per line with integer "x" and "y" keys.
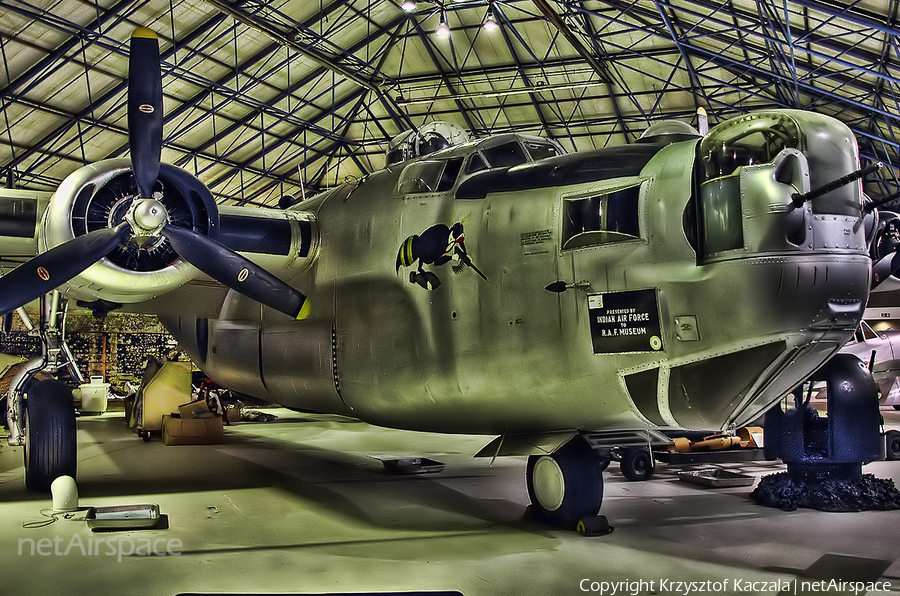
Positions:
{"x": 884, "y": 268}
{"x": 58, "y": 265}
{"x": 240, "y": 274}
{"x": 145, "y": 116}
{"x": 702, "y": 121}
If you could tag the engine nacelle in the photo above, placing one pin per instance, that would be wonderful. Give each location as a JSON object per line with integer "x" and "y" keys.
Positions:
{"x": 281, "y": 241}
{"x": 98, "y": 196}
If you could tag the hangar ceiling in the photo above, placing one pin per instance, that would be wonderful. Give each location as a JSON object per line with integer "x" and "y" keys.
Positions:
{"x": 267, "y": 98}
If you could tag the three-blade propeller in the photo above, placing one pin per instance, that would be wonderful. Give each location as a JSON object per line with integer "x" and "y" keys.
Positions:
{"x": 147, "y": 216}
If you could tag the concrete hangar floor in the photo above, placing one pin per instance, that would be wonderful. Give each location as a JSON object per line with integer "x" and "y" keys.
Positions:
{"x": 299, "y": 506}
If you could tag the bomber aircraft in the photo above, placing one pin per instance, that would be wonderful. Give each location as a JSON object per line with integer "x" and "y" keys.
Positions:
{"x": 496, "y": 286}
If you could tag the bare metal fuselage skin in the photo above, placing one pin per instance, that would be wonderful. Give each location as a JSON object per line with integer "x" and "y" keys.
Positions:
{"x": 718, "y": 303}
{"x": 697, "y": 293}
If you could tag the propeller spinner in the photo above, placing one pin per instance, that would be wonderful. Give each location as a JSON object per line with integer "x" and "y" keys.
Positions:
{"x": 147, "y": 217}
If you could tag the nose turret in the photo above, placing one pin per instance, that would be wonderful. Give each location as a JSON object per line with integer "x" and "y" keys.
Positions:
{"x": 753, "y": 175}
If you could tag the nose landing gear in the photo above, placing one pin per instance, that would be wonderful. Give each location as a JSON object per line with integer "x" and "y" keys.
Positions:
{"x": 566, "y": 487}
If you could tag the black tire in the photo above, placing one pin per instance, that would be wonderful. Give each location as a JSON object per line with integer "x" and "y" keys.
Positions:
{"x": 892, "y": 445}
{"x": 565, "y": 486}
{"x": 50, "y": 435}
{"x": 637, "y": 463}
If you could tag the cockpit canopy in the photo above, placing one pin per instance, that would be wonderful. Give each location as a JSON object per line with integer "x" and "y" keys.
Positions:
{"x": 445, "y": 169}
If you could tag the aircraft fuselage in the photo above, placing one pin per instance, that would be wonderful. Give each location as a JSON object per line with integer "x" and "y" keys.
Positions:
{"x": 697, "y": 296}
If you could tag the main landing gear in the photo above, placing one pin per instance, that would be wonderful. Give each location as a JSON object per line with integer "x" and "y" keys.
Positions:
{"x": 566, "y": 487}
{"x": 40, "y": 410}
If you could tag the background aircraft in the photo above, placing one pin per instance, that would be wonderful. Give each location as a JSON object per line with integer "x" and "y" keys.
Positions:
{"x": 881, "y": 350}
{"x": 496, "y": 286}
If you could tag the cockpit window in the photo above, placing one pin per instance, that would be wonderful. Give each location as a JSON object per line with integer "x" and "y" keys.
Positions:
{"x": 505, "y": 155}
{"x": 601, "y": 219}
{"x": 450, "y": 174}
{"x": 539, "y": 150}
{"x": 476, "y": 163}
{"x": 867, "y": 332}
{"x": 429, "y": 176}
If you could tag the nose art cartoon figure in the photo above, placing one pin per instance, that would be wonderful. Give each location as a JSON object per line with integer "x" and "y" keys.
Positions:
{"x": 436, "y": 246}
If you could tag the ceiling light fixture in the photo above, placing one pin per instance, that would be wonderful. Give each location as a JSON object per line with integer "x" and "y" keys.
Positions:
{"x": 443, "y": 30}
{"x": 490, "y": 24}
{"x": 408, "y": 6}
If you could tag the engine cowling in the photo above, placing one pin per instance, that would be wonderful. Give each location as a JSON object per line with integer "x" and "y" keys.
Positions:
{"x": 99, "y": 196}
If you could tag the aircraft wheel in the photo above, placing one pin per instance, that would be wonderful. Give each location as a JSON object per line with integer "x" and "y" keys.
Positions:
{"x": 892, "y": 445}
{"x": 567, "y": 485}
{"x": 50, "y": 441}
{"x": 637, "y": 463}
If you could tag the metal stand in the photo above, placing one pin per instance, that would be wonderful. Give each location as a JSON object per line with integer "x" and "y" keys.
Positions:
{"x": 824, "y": 455}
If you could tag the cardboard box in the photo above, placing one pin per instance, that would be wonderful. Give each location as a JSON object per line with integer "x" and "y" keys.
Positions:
{"x": 192, "y": 431}
{"x": 233, "y": 414}
{"x": 195, "y": 409}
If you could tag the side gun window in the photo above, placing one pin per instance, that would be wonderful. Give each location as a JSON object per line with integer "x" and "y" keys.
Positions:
{"x": 601, "y": 219}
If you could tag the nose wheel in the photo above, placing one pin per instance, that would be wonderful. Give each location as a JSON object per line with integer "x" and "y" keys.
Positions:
{"x": 565, "y": 486}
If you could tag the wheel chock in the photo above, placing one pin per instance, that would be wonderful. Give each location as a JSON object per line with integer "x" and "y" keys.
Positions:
{"x": 595, "y": 525}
